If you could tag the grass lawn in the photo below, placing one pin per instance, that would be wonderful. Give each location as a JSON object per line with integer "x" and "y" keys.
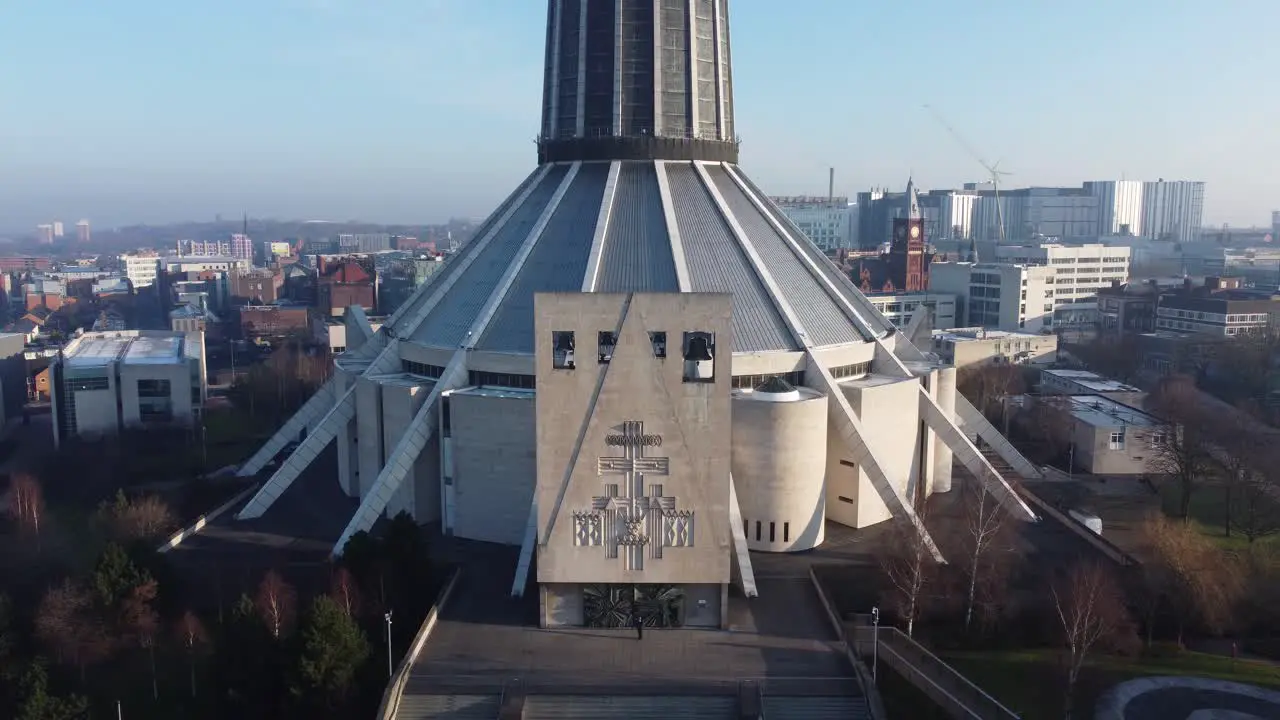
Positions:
{"x": 1031, "y": 682}
{"x": 1208, "y": 512}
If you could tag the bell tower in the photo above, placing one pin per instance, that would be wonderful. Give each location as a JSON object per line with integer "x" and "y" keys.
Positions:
{"x": 906, "y": 252}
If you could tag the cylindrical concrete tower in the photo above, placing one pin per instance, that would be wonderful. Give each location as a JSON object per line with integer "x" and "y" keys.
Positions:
{"x": 779, "y": 463}
{"x": 637, "y": 80}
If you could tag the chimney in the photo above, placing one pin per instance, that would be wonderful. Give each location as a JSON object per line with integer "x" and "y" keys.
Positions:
{"x": 831, "y": 186}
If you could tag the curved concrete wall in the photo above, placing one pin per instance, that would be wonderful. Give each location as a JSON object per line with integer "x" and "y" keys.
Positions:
{"x": 779, "y": 462}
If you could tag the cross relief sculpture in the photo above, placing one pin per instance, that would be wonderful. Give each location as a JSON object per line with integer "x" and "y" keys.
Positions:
{"x": 632, "y": 523}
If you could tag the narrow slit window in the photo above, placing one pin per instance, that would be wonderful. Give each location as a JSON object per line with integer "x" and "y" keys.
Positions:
{"x": 606, "y": 341}
{"x": 773, "y": 535}
{"x": 757, "y": 531}
{"x": 786, "y": 532}
{"x": 562, "y": 350}
{"x": 659, "y": 342}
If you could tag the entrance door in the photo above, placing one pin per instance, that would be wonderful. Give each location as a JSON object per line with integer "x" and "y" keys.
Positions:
{"x": 614, "y": 605}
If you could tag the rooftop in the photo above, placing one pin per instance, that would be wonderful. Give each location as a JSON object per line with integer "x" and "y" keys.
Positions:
{"x": 1099, "y": 411}
{"x": 977, "y": 333}
{"x": 101, "y": 349}
{"x": 1092, "y": 381}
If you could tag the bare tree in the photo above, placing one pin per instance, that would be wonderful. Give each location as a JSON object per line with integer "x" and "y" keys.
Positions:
{"x": 1050, "y": 423}
{"x": 1089, "y": 606}
{"x": 1181, "y": 447}
{"x": 986, "y": 386}
{"x": 66, "y": 623}
{"x": 141, "y": 623}
{"x": 985, "y": 523}
{"x": 1197, "y": 580}
{"x": 910, "y": 568}
{"x": 1257, "y": 503}
{"x": 26, "y": 502}
{"x": 344, "y": 591}
{"x": 195, "y": 642}
{"x": 1239, "y": 442}
{"x": 142, "y": 518}
{"x": 277, "y": 604}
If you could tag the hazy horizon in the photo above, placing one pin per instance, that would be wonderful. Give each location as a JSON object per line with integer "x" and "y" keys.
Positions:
{"x": 141, "y": 111}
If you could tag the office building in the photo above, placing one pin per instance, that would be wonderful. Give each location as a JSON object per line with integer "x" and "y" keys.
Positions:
{"x": 1108, "y": 437}
{"x": 966, "y": 347}
{"x": 364, "y": 243}
{"x": 44, "y": 234}
{"x": 631, "y": 284}
{"x": 998, "y": 296}
{"x": 1219, "y": 308}
{"x": 103, "y": 382}
{"x": 1035, "y": 213}
{"x": 899, "y": 307}
{"x": 204, "y": 248}
{"x": 1083, "y": 382}
{"x": 1173, "y": 210}
{"x": 826, "y": 221}
{"x": 1080, "y": 271}
{"x": 1119, "y": 206}
{"x": 141, "y": 269}
{"x": 82, "y": 232}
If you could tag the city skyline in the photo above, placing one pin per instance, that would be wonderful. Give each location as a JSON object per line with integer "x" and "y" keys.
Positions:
{"x": 281, "y": 108}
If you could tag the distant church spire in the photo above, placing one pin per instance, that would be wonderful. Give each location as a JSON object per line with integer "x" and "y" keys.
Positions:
{"x": 913, "y": 201}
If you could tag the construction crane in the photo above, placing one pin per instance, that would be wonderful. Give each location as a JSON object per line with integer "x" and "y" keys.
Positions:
{"x": 993, "y": 170}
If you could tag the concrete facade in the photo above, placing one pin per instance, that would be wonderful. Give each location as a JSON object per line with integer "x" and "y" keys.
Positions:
{"x": 779, "y": 464}
{"x": 633, "y": 453}
{"x": 493, "y": 466}
{"x": 962, "y": 347}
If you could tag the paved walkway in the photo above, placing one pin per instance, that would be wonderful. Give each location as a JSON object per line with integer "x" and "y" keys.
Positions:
{"x": 486, "y": 638}
{"x": 1187, "y": 698}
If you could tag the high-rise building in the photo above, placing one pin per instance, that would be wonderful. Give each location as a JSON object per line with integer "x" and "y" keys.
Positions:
{"x": 57, "y": 229}
{"x": 141, "y": 269}
{"x": 1275, "y": 226}
{"x": 44, "y": 233}
{"x": 1119, "y": 206}
{"x": 1173, "y": 210}
{"x": 242, "y": 247}
{"x": 82, "y": 231}
{"x": 1035, "y": 213}
{"x": 824, "y": 220}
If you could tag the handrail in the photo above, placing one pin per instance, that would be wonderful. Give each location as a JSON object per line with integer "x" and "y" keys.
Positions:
{"x": 894, "y": 642}
{"x": 395, "y": 689}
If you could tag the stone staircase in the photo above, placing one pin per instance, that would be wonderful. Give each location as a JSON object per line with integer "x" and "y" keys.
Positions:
{"x": 453, "y": 707}
{"x": 808, "y": 707}
{"x": 1003, "y": 467}
{"x": 632, "y": 707}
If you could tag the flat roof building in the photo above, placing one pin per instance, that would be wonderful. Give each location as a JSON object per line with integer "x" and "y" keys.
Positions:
{"x": 1111, "y": 438}
{"x": 977, "y": 346}
{"x": 1083, "y": 382}
{"x": 106, "y": 381}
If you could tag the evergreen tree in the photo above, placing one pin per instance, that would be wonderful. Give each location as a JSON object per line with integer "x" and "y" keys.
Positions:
{"x": 331, "y": 651}
{"x": 115, "y": 576}
{"x": 36, "y": 703}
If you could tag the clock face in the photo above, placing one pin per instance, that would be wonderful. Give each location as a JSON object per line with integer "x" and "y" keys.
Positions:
{"x": 915, "y": 232}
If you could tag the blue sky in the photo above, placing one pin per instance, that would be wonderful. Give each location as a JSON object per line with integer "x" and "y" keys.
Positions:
{"x": 415, "y": 110}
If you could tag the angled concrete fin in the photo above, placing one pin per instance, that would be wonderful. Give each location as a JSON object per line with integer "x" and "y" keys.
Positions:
{"x": 975, "y": 425}
{"x": 357, "y": 326}
{"x": 526, "y": 552}
{"x": 971, "y": 458}
{"x": 308, "y": 416}
{"x": 337, "y": 417}
{"x": 850, "y": 429}
{"x": 741, "y": 554}
{"x": 919, "y": 331}
{"x": 406, "y": 452}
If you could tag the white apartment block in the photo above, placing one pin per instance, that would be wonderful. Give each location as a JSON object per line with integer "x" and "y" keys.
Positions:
{"x": 826, "y": 221}
{"x": 955, "y": 214}
{"x": 999, "y": 296}
{"x": 105, "y": 381}
{"x": 1079, "y": 271}
{"x": 899, "y": 307}
{"x": 141, "y": 269}
{"x": 202, "y": 264}
{"x": 1119, "y": 206}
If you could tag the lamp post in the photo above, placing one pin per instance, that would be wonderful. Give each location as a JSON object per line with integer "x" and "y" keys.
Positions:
{"x": 875, "y": 641}
{"x": 390, "y": 668}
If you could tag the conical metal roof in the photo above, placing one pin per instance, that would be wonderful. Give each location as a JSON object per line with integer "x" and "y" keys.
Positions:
{"x": 645, "y": 226}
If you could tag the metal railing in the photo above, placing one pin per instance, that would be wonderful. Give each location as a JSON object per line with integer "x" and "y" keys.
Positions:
{"x": 926, "y": 671}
